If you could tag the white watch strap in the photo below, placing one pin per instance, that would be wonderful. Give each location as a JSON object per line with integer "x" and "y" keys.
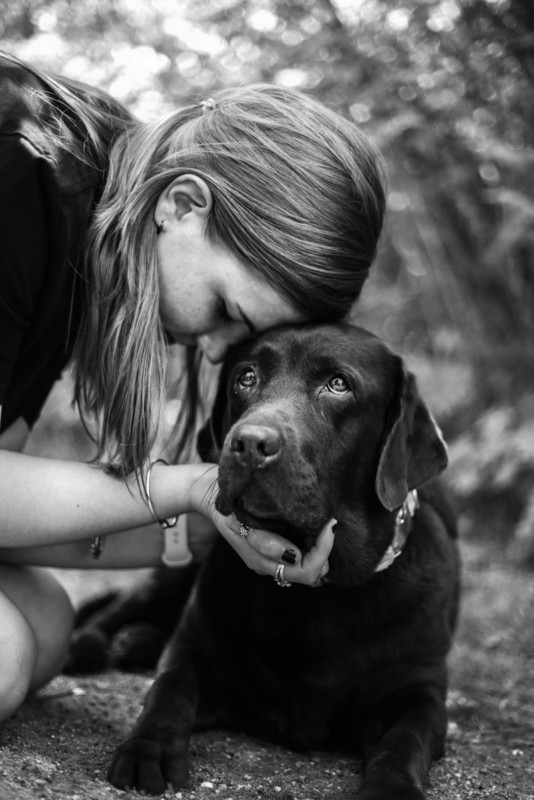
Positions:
{"x": 176, "y": 552}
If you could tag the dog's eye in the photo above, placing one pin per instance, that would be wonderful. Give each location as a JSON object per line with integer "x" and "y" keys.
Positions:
{"x": 337, "y": 385}
{"x": 246, "y": 378}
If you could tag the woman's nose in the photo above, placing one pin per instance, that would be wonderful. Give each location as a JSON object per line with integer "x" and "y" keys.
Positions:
{"x": 215, "y": 345}
{"x": 213, "y": 348}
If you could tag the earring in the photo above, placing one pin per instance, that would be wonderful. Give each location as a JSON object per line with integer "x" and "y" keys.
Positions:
{"x": 160, "y": 226}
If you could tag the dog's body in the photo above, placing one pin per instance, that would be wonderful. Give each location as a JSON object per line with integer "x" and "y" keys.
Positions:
{"x": 314, "y": 423}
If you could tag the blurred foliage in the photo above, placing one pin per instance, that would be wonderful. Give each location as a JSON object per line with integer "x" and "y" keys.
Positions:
{"x": 445, "y": 87}
{"x": 492, "y": 470}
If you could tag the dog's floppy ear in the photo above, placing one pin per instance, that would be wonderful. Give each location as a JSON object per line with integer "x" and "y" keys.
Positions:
{"x": 413, "y": 451}
{"x": 210, "y": 438}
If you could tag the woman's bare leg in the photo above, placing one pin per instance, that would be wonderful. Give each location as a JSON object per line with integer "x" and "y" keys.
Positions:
{"x": 36, "y": 619}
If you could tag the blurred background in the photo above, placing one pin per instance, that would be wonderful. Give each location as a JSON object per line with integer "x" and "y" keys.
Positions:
{"x": 445, "y": 88}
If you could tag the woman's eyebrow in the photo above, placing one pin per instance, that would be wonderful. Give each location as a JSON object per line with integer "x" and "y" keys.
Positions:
{"x": 246, "y": 320}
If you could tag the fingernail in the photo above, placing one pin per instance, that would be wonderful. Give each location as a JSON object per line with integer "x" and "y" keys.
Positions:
{"x": 333, "y": 526}
{"x": 289, "y": 556}
{"x": 324, "y": 570}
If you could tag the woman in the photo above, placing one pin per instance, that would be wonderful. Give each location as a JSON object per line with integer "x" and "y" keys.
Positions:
{"x": 227, "y": 217}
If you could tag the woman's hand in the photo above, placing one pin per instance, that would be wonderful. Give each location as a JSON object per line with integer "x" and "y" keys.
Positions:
{"x": 263, "y": 551}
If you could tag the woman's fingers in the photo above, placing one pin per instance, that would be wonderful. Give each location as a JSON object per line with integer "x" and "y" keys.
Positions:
{"x": 314, "y": 565}
{"x": 264, "y": 552}
{"x": 260, "y": 550}
{"x": 272, "y": 546}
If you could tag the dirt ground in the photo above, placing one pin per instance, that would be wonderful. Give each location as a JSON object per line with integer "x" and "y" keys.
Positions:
{"x": 59, "y": 744}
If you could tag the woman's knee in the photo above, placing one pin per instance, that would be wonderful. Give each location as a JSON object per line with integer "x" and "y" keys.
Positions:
{"x": 49, "y": 613}
{"x": 55, "y": 618}
{"x": 18, "y": 657}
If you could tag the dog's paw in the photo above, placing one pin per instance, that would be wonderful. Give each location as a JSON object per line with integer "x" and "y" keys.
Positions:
{"x": 148, "y": 765}
{"x": 89, "y": 652}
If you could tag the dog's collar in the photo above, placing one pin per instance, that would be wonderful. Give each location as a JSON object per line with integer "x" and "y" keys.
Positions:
{"x": 403, "y": 527}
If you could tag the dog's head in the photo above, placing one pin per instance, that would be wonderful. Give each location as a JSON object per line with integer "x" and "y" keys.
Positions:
{"x": 316, "y": 422}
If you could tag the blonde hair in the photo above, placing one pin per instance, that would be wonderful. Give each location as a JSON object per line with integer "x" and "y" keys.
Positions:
{"x": 298, "y": 197}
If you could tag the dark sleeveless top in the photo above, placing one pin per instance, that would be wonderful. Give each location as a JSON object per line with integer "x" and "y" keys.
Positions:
{"x": 46, "y": 199}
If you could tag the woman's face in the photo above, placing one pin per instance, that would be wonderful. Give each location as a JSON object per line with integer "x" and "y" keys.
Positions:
{"x": 207, "y": 296}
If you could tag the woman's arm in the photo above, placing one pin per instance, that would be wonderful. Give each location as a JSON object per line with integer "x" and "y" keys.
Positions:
{"x": 45, "y": 501}
{"x": 48, "y": 501}
{"x": 127, "y": 550}
{"x": 135, "y": 549}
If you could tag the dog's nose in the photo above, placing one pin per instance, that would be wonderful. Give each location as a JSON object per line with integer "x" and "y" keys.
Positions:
{"x": 255, "y": 445}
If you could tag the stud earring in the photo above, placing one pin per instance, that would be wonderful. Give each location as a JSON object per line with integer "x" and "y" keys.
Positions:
{"x": 160, "y": 226}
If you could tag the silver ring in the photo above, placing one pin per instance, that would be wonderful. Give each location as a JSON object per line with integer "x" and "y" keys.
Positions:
{"x": 279, "y": 577}
{"x": 243, "y": 530}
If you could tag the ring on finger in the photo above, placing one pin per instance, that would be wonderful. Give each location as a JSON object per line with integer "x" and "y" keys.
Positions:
{"x": 243, "y": 530}
{"x": 279, "y": 577}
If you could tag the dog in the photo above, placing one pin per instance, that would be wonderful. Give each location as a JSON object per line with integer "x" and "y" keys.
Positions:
{"x": 310, "y": 423}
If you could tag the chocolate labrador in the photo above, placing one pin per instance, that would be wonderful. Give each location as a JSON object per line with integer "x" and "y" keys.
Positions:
{"x": 309, "y": 424}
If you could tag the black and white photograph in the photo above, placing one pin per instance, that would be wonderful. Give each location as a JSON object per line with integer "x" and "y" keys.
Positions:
{"x": 267, "y": 399}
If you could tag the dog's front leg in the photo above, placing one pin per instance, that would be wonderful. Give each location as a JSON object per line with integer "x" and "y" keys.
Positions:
{"x": 397, "y": 762}
{"x": 155, "y": 755}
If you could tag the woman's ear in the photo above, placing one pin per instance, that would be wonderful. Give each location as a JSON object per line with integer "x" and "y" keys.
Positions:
{"x": 187, "y": 194}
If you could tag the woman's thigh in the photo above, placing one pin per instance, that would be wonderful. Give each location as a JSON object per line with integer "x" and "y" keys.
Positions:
{"x": 46, "y": 607}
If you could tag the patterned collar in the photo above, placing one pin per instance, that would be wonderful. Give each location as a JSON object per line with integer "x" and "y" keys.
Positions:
{"x": 403, "y": 526}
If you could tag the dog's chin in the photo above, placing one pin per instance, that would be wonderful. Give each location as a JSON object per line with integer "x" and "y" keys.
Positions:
{"x": 299, "y": 530}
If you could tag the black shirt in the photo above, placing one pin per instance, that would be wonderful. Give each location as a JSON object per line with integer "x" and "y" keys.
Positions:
{"x": 46, "y": 198}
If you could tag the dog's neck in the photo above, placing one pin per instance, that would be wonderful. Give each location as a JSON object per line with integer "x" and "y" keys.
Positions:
{"x": 403, "y": 526}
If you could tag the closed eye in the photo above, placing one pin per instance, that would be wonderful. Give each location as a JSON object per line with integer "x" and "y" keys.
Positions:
{"x": 226, "y": 317}
{"x": 222, "y": 311}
